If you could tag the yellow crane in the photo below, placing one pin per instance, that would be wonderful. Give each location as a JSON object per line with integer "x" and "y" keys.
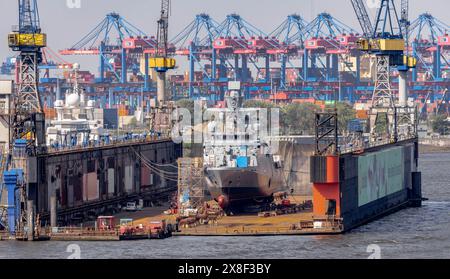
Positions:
{"x": 161, "y": 63}
{"x": 386, "y": 40}
{"x": 27, "y": 121}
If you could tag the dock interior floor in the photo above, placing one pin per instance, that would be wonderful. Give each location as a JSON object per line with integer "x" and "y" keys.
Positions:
{"x": 242, "y": 224}
{"x": 147, "y": 215}
{"x": 250, "y": 225}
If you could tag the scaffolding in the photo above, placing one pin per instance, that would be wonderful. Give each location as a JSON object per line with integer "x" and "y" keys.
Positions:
{"x": 3, "y": 193}
{"x": 191, "y": 186}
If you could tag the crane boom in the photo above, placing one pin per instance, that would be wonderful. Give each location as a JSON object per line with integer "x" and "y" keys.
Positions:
{"x": 363, "y": 17}
{"x": 405, "y": 23}
{"x": 405, "y": 10}
{"x": 387, "y": 24}
{"x": 29, "y": 17}
{"x": 163, "y": 29}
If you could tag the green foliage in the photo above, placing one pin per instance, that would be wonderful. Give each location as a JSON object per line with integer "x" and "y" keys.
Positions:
{"x": 259, "y": 104}
{"x": 346, "y": 112}
{"x": 440, "y": 124}
{"x": 381, "y": 123}
{"x": 187, "y": 104}
{"x": 133, "y": 122}
{"x": 298, "y": 119}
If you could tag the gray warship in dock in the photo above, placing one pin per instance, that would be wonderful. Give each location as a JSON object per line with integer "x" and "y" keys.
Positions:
{"x": 240, "y": 167}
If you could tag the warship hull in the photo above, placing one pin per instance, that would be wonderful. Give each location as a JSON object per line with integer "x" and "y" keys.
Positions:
{"x": 234, "y": 187}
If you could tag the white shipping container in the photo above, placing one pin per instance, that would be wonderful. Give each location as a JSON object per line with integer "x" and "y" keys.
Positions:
{"x": 6, "y": 86}
{"x": 111, "y": 181}
{"x": 128, "y": 179}
{"x": 151, "y": 179}
{"x": 70, "y": 195}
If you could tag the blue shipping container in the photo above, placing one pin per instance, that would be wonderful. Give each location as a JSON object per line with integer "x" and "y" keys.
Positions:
{"x": 242, "y": 162}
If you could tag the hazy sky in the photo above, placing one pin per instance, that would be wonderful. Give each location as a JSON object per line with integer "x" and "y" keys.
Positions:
{"x": 65, "y": 26}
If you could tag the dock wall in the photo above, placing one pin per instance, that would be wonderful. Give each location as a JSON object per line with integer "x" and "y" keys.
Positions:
{"x": 377, "y": 181}
{"x": 296, "y": 153}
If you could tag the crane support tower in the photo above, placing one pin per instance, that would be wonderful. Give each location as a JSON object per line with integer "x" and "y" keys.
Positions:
{"x": 26, "y": 116}
{"x": 161, "y": 63}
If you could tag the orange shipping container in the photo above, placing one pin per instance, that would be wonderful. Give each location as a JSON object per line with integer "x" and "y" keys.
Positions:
{"x": 50, "y": 113}
{"x": 279, "y": 96}
{"x": 123, "y": 112}
{"x": 303, "y": 101}
{"x": 319, "y": 102}
{"x": 361, "y": 114}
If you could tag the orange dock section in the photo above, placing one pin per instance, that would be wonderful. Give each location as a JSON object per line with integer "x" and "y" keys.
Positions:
{"x": 326, "y": 193}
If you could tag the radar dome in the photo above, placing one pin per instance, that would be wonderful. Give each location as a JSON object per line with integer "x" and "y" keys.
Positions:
{"x": 73, "y": 100}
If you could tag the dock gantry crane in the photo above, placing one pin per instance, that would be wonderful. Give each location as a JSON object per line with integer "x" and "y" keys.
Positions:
{"x": 26, "y": 120}
{"x": 386, "y": 40}
{"x": 28, "y": 40}
{"x": 161, "y": 63}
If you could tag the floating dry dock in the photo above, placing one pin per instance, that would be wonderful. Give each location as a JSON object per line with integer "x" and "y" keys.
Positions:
{"x": 348, "y": 190}
{"x": 87, "y": 182}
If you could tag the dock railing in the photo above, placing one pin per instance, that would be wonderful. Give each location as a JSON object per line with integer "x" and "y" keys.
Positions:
{"x": 327, "y": 222}
{"x": 80, "y": 231}
{"x": 344, "y": 149}
{"x": 148, "y": 139}
{"x": 238, "y": 230}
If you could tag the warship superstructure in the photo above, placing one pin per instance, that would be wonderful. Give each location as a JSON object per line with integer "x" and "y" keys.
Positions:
{"x": 240, "y": 167}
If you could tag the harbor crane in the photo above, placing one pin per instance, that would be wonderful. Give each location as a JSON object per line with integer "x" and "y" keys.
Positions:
{"x": 386, "y": 39}
{"x": 26, "y": 120}
{"x": 161, "y": 113}
{"x": 161, "y": 63}
{"x": 28, "y": 40}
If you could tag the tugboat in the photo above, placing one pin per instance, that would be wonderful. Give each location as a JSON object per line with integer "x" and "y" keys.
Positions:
{"x": 240, "y": 169}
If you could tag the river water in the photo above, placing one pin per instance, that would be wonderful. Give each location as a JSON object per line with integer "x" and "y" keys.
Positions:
{"x": 412, "y": 233}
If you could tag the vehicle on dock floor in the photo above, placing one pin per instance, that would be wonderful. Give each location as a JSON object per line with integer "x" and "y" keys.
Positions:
{"x": 105, "y": 223}
{"x": 131, "y": 206}
{"x": 160, "y": 229}
{"x": 154, "y": 230}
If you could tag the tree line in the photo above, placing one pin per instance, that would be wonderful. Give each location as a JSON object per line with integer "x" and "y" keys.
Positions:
{"x": 295, "y": 118}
